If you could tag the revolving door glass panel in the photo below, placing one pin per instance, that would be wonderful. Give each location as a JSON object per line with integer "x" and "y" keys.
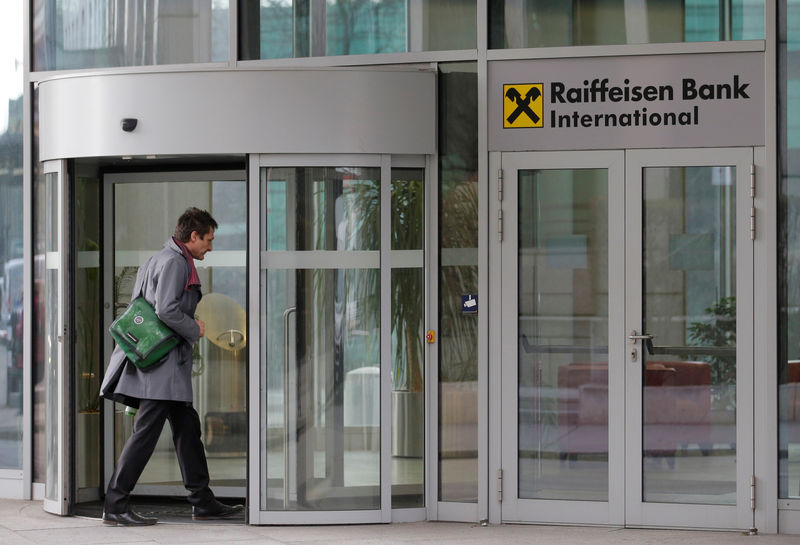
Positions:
{"x": 320, "y": 338}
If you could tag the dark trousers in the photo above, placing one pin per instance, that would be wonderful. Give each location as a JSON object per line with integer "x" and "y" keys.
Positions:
{"x": 185, "y": 424}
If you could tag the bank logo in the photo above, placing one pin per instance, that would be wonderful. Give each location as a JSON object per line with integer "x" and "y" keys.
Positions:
{"x": 523, "y": 105}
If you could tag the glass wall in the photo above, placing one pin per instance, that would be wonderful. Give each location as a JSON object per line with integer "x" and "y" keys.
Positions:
{"x": 789, "y": 249}
{"x": 38, "y": 332}
{"x": 87, "y": 320}
{"x": 689, "y": 306}
{"x": 563, "y": 334}
{"x": 11, "y": 228}
{"x": 408, "y": 324}
{"x": 275, "y": 29}
{"x": 107, "y": 33}
{"x": 52, "y": 335}
{"x": 550, "y": 23}
{"x": 458, "y": 277}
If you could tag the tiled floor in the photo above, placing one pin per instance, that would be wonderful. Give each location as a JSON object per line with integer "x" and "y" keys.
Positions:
{"x": 25, "y": 523}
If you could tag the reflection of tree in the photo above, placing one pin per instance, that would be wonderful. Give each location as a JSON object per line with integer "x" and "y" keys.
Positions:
{"x": 87, "y": 301}
{"x": 458, "y": 332}
{"x": 88, "y": 327}
{"x": 408, "y": 213}
{"x": 718, "y": 330}
{"x": 365, "y": 26}
{"x": 407, "y": 313}
{"x": 458, "y": 219}
{"x": 789, "y": 274}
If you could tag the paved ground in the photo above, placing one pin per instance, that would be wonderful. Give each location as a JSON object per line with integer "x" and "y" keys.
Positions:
{"x": 25, "y": 523}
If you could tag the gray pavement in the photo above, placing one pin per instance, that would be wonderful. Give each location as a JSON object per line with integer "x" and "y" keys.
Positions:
{"x": 25, "y": 523}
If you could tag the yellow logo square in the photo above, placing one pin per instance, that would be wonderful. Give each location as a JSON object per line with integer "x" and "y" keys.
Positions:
{"x": 523, "y": 105}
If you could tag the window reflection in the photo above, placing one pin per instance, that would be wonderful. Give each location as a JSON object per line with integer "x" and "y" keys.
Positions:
{"x": 275, "y": 29}
{"x": 11, "y": 227}
{"x": 321, "y": 340}
{"x": 408, "y": 354}
{"x": 789, "y": 252}
{"x": 458, "y": 275}
{"x": 689, "y": 376}
{"x": 563, "y": 329}
{"x": 549, "y": 23}
{"x": 107, "y": 33}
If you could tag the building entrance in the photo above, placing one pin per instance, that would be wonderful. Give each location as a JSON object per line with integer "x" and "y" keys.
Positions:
{"x": 140, "y": 211}
{"x": 623, "y": 274}
{"x": 328, "y": 269}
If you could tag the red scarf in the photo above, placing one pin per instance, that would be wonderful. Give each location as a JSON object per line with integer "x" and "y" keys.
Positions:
{"x": 194, "y": 278}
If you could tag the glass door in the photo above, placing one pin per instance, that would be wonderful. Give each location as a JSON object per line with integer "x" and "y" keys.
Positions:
{"x": 340, "y": 334}
{"x": 689, "y": 276}
{"x": 562, "y": 374}
{"x": 141, "y": 210}
{"x": 54, "y": 308}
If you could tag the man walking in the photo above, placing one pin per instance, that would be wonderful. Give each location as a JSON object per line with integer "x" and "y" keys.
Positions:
{"x": 170, "y": 283}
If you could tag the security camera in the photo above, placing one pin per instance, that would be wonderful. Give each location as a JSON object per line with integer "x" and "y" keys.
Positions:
{"x": 129, "y": 123}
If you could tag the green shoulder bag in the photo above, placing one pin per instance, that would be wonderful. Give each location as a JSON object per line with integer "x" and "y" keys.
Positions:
{"x": 142, "y": 336}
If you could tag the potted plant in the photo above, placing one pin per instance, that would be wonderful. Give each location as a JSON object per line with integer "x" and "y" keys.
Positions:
{"x": 407, "y": 310}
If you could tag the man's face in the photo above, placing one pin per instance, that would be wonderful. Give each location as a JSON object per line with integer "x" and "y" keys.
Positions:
{"x": 198, "y": 246}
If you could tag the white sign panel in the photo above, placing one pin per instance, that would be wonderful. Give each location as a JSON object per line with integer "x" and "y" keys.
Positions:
{"x": 653, "y": 101}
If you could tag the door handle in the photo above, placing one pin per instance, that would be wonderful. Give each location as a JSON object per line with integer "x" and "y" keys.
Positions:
{"x": 286, "y": 314}
{"x": 646, "y": 337}
{"x": 634, "y": 336}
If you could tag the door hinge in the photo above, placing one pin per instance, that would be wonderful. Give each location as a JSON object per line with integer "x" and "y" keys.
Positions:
{"x": 753, "y": 196}
{"x": 500, "y": 485}
{"x": 500, "y": 185}
{"x": 752, "y": 492}
{"x": 500, "y": 225}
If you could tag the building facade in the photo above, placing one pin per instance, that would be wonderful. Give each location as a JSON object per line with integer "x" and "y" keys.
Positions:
{"x": 513, "y": 261}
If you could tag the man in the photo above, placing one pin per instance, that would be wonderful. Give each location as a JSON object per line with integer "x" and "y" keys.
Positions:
{"x": 169, "y": 282}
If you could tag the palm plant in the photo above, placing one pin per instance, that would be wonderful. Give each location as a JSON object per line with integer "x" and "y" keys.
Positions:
{"x": 407, "y": 313}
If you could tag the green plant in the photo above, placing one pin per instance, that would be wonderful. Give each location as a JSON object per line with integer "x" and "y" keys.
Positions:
{"x": 87, "y": 329}
{"x": 719, "y": 331}
{"x": 87, "y": 313}
{"x": 457, "y": 331}
{"x": 407, "y": 286}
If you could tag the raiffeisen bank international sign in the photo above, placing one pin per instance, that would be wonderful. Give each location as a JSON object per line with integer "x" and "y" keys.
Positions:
{"x": 653, "y": 101}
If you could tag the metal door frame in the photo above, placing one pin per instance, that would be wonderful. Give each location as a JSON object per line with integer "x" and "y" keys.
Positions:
{"x": 625, "y": 506}
{"x": 58, "y": 260}
{"x": 504, "y": 505}
{"x": 637, "y": 512}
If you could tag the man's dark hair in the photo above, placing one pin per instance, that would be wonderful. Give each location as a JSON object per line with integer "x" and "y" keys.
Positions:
{"x": 194, "y": 219}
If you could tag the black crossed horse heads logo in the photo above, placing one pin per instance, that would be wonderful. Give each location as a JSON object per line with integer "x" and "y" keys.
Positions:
{"x": 519, "y": 104}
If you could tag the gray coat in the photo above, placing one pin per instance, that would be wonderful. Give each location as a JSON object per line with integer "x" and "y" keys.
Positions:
{"x": 161, "y": 280}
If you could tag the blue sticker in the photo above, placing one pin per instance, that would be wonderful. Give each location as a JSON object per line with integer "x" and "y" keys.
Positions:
{"x": 469, "y": 304}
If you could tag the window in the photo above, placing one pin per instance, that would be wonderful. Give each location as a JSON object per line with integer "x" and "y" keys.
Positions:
{"x": 552, "y": 23}
{"x": 276, "y": 29}
{"x": 108, "y": 33}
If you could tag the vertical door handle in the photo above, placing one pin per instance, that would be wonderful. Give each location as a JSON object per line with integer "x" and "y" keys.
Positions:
{"x": 286, "y": 314}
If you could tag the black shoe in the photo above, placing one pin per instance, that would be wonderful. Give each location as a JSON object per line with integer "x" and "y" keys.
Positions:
{"x": 127, "y": 519}
{"x": 215, "y": 510}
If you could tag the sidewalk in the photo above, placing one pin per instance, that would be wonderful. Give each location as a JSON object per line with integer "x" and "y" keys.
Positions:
{"x": 25, "y": 523}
